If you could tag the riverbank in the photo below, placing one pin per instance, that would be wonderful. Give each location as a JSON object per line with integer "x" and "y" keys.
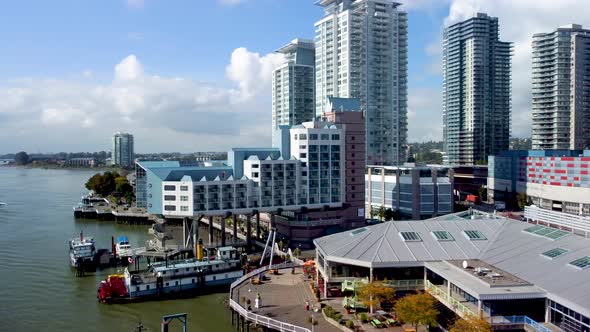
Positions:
{"x": 41, "y": 292}
{"x": 64, "y": 167}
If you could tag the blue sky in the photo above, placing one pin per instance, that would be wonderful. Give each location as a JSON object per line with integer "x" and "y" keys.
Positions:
{"x": 63, "y": 65}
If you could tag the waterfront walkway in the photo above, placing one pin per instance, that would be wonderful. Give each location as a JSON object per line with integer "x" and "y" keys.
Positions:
{"x": 283, "y": 298}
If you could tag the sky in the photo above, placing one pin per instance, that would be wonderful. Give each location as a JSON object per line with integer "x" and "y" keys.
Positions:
{"x": 187, "y": 75}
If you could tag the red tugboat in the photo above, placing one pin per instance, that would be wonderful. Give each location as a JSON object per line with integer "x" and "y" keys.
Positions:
{"x": 112, "y": 289}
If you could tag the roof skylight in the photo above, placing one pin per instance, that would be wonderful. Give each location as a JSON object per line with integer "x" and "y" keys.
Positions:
{"x": 555, "y": 252}
{"x": 474, "y": 235}
{"x": 581, "y": 263}
{"x": 357, "y": 231}
{"x": 548, "y": 232}
{"x": 443, "y": 236}
{"x": 410, "y": 236}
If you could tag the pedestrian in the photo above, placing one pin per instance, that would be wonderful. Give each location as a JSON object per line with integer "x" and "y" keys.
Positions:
{"x": 306, "y": 305}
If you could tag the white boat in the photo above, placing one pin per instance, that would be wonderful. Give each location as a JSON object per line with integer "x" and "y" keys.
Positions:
{"x": 82, "y": 250}
{"x": 123, "y": 248}
{"x": 2, "y": 204}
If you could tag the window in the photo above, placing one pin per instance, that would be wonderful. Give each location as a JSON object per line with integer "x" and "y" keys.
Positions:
{"x": 303, "y": 147}
{"x": 443, "y": 236}
{"x": 313, "y": 136}
{"x": 335, "y": 137}
{"x": 324, "y": 137}
{"x": 193, "y": 281}
{"x": 147, "y": 287}
{"x": 184, "y": 208}
{"x": 176, "y": 283}
{"x": 214, "y": 277}
{"x": 184, "y": 198}
{"x": 169, "y": 197}
{"x": 302, "y": 136}
{"x": 410, "y": 236}
{"x": 137, "y": 289}
{"x": 169, "y": 207}
{"x": 169, "y": 188}
{"x": 474, "y": 235}
{"x": 553, "y": 253}
{"x": 581, "y": 263}
{"x": 183, "y": 188}
{"x": 167, "y": 284}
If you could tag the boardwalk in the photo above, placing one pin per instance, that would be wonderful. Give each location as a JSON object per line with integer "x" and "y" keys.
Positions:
{"x": 283, "y": 298}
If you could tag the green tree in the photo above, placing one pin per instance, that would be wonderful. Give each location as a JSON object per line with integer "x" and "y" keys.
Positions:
{"x": 397, "y": 215}
{"x": 374, "y": 293}
{"x": 521, "y": 200}
{"x": 21, "y": 158}
{"x": 381, "y": 212}
{"x": 417, "y": 310}
{"x": 471, "y": 324}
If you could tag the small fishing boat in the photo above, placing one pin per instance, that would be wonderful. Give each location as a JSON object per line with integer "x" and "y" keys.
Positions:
{"x": 2, "y": 204}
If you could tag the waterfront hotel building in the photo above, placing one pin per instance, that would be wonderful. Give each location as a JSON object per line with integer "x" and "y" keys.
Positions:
{"x": 513, "y": 274}
{"x": 304, "y": 178}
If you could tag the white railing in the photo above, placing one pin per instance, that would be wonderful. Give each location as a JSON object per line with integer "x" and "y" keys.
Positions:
{"x": 580, "y": 223}
{"x": 524, "y": 320}
{"x": 451, "y": 302}
{"x": 265, "y": 321}
{"x": 258, "y": 319}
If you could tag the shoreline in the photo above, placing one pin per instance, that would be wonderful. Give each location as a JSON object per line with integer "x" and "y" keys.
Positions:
{"x": 53, "y": 167}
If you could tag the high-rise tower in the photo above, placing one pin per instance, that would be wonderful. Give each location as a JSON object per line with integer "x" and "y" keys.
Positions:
{"x": 361, "y": 52}
{"x": 123, "y": 150}
{"x": 476, "y": 90}
{"x": 561, "y": 89}
{"x": 293, "y": 85}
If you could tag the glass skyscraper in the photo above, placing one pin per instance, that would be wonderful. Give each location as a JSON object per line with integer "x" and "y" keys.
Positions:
{"x": 561, "y": 89}
{"x": 361, "y": 52}
{"x": 476, "y": 90}
{"x": 293, "y": 85}
{"x": 123, "y": 150}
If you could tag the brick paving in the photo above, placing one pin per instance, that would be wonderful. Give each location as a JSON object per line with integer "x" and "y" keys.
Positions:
{"x": 283, "y": 298}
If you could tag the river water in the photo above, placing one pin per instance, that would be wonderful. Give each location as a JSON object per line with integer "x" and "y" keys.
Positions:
{"x": 38, "y": 290}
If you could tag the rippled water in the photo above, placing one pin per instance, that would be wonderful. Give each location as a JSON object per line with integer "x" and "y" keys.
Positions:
{"x": 38, "y": 290}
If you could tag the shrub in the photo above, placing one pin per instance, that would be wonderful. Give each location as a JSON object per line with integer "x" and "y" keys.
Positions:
{"x": 315, "y": 322}
{"x": 337, "y": 316}
{"x": 363, "y": 317}
{"x": 349, "y": 324}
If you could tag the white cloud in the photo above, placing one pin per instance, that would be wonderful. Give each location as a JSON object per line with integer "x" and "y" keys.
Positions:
{"x": 424, "y": 115}
{"x": 519, "y": 20}
{"x": 252, "y": 72}
{"x": 165, "y": 113}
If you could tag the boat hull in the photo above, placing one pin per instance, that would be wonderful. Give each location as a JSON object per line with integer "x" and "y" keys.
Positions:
{"x": 172, "y": 292}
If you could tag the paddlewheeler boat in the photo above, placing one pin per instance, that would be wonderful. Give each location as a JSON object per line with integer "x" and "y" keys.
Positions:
{"x": 181, "y": 278}
{"x": 82, "y": 251}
